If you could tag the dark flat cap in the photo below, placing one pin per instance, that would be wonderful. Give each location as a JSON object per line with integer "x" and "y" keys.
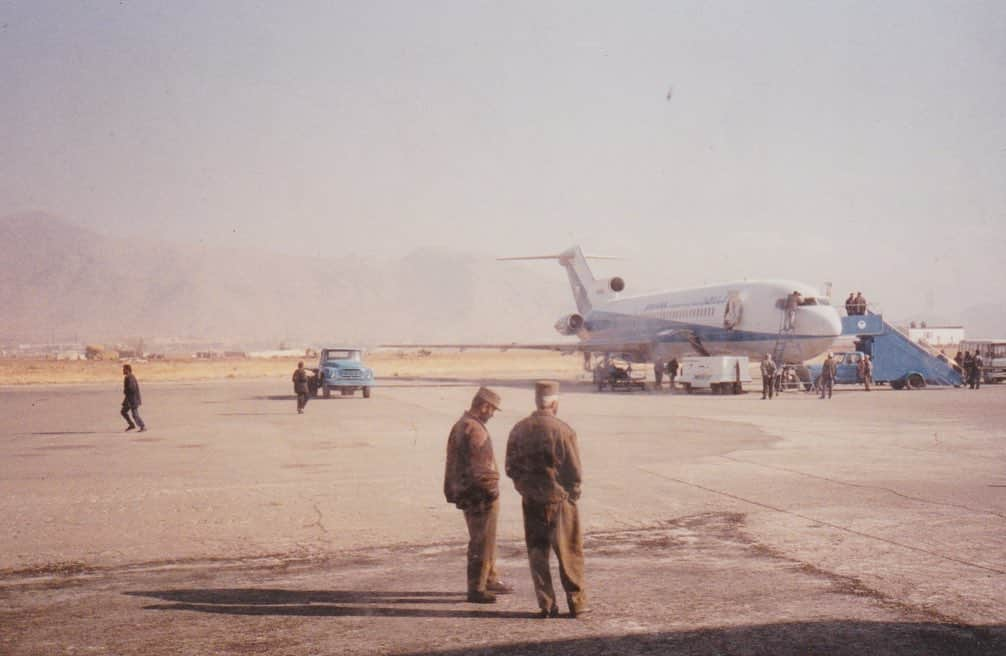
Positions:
{"x": 488, "y": 396}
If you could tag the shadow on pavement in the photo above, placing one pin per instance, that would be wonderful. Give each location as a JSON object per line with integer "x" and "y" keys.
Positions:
{"x": 318, "y": 603}
{"x": 834, "y": 638}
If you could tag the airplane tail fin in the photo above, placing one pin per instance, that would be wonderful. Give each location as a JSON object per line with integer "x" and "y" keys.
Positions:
{"x": 586, "y": 288}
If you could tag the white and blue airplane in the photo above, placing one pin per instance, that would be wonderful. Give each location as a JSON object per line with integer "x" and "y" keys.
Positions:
{"x": 736, "y": 318}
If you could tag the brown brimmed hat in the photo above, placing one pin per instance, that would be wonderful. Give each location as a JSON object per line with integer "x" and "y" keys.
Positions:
{"x": 486, "y": 395}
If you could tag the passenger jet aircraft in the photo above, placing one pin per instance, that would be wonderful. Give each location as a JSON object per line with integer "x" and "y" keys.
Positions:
{"x": 737, "y": 318}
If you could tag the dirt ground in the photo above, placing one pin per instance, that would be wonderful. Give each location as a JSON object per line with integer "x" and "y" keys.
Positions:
{"x": 869, "y": 524}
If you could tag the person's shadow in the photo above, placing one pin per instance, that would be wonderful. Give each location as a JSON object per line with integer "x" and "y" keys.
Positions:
{"x": 320, "y": 603}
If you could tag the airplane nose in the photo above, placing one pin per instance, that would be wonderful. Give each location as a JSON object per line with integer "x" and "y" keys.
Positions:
{"x": 824, "y": 321}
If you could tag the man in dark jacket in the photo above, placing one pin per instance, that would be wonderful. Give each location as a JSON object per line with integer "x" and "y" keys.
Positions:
{"x": 301, "y": 387}
{"x": 828, "y": 372}
{"x": 131, "y": 400}
{"x": 543, "y": 459}
{"x": 471, "y": 482}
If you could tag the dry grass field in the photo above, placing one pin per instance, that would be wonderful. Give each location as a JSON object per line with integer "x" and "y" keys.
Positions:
{"x": 386, "y": 365}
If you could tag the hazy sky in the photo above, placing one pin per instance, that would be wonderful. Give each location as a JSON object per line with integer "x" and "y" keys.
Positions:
{"x": 858, "y": 142}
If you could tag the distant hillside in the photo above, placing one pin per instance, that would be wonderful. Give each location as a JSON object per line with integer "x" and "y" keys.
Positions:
{"x": 60, "y": 280}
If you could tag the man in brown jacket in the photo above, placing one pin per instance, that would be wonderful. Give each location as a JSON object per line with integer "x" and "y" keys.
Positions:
{"x": 471, "y": 482}
{"x": 543, "y": 459}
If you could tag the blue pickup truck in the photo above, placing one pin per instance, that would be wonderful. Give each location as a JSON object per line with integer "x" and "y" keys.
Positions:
{"x": 341, "y": 368}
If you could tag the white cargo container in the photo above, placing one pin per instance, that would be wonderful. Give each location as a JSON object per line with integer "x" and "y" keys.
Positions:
{"x": 723, "y": 374}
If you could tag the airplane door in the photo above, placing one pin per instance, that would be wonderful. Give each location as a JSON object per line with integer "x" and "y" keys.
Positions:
{"x": 733, "y": 310}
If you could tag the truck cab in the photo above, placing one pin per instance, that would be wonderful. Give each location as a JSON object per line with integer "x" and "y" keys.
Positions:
{"x": 341, "y": 368}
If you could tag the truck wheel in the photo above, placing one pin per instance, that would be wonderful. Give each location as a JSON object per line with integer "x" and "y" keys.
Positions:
{"x": 327, "y": 393}
{"x": 366, "y": 392}
{"x": 897, "y": 384}
{"x": 688, "y": 387}
{"x": 737, "y": 388}
{"x": 915, "y": 381}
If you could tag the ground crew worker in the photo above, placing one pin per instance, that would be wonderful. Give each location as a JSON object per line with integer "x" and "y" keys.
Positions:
{"x": 792, "y": 303}
{"x": 976, "y": 370}
{"x": 471, "y": 482}
{"x": 543, "y": 459}
{"x": 131, "y": 400}
{"x": 850, "y": 304}
{"x": 767, "y": 377}
{"x": 300, "y": 386}
{"x": 865, "y": 370}
{"x": 860, "y": 303}
{"x": 672, "y": 371}
{"x": 828, "y": 374}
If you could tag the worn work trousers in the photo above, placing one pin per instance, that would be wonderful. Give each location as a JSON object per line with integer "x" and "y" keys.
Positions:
{"x": 767, "y": 386}
{"x": 826, "y": 386}
{"x": 555, "y": 527}
{"x": 867, "y": 381}
{"x": 127, "y": 410}
{"x": 482, "y": 545}
{"x": 302, "y": 398}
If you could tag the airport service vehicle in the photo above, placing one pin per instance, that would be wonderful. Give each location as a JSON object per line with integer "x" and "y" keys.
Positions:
{"x": 993, "y": 352}
{"x": 617, "y": 374}
{"x": 741, "y": 318}
{"x": 722, "y": 374}
{"x": 897, "y": 360}
{"x": 342, "y": 369}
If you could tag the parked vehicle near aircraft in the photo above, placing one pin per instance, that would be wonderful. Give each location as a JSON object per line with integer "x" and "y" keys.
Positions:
{"x": 341, "y": 368}
{"x": 723, "y": 374}
{"x": 993, "y": 352}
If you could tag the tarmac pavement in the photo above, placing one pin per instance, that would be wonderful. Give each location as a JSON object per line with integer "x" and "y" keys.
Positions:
{"x": 871, "y": 523}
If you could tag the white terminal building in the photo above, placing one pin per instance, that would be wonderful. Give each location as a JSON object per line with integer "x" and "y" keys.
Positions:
{"x": 935, "y": 335}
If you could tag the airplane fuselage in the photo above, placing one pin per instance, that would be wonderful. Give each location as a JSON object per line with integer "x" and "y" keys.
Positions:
{"x": 741, "y": 318}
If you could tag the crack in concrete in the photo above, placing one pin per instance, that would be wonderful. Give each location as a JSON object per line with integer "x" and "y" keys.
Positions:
{"x": 868, "y": 487}
{"x": 838, "y": 527}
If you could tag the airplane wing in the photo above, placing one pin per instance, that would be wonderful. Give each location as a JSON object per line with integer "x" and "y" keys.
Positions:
{"x": 565, "y": 347}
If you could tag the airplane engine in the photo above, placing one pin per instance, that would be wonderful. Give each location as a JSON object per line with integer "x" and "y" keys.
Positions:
{"x": 570, "y": 324}
{"x": 605, "y": 285}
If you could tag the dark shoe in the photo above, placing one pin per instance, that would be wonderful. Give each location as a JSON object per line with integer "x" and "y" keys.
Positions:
{"x": 479, "y": 597}
{"x": 499, "y": 587}
{"x": 577, "y": 612}
{"x": 130, "y": 428}
{"x": 143, "y": 430}
{"x": 546, "y": 614}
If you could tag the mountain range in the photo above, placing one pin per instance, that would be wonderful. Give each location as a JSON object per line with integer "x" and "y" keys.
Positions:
{"x": 59, "y": 281}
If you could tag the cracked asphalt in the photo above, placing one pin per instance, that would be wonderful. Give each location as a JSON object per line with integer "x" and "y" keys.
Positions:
{"x": 873, "y": 523}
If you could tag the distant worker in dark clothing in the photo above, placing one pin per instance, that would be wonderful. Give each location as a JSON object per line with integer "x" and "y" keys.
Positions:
{"x": 975, "y": 379}
{"x": 301, "y": 387}
{"x": 543, "y": 459}
{"x": 131, "y": 400}
{"x": 865, "y": 371}
{"x": 767, "y": 377}
{"x": 672, "y": 371}
{"x": 966, "y": 366}
{"x": 850, "y": 304}
{"x": 471, "y": 482}
{"x": 860, "y": 302}
{"x": 828, "y": 375}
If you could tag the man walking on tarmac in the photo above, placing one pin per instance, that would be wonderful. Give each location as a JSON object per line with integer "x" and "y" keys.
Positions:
{"x": 131, "y": 400}
{"x": 543, "y": 459}
{"x": 828, "y": 374}
{"x": 301, "y": 387}
{"x": 471, "y": 482}
{"x": 767, "y": 377}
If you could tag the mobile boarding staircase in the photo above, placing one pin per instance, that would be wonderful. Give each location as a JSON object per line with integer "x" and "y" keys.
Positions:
{"x": 897, "y": 360}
